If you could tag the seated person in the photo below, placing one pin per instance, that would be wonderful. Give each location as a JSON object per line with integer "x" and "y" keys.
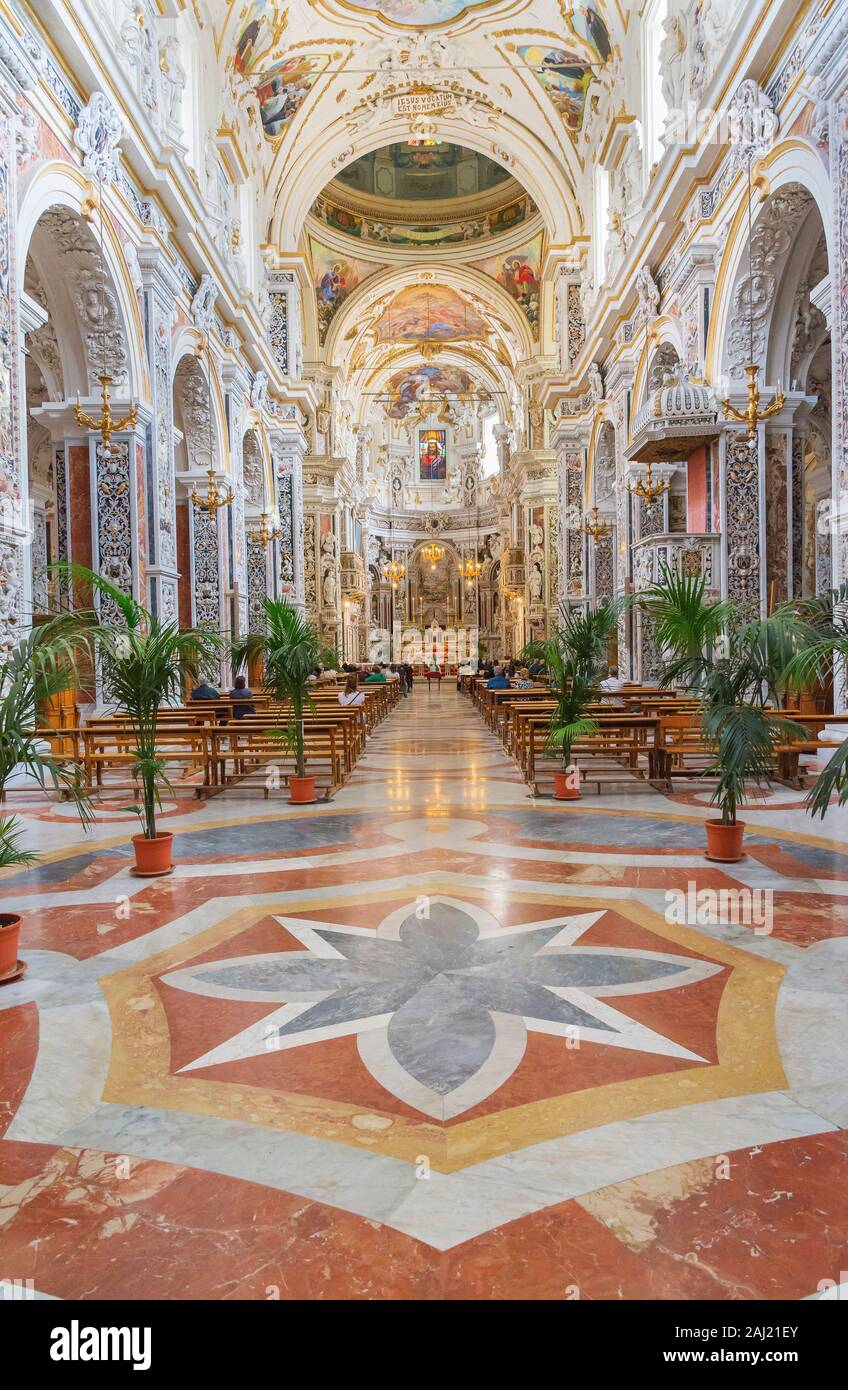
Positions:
{"x": 314, "y": 676}
{"x": 536, "y": 668}
{"x": 204, "y": 691}
{"x": 351, "y": 694}
{"x": 242, "y": 698}
{"x": 611, "y": 686}
{"x": 393, "y": 674}
{"x": 498, "y": 681}
{"x": 377, "y": 676}
{"x": 522, "y": 680}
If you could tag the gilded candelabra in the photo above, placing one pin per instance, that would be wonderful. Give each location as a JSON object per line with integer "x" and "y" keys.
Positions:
{"x": 107, "y": 425}
{"x": 266, "y": 533}
{"x": 646, "y": 488}
{"x": 214, "y": 498}
{"x": 752, "y": 414}
{"x": 595, "y": 528}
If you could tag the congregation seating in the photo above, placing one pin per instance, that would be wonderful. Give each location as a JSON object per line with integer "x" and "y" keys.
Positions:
{"x": 645, "y": 735}
{"x": 205, "y": 750}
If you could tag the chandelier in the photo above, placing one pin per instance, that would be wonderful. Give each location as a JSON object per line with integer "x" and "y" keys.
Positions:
{"x": 394, "y": 572}
{"x": 470, "y": 569}
{"x": 646, "y": 488}
{"x": 106, "y": 425}
{"x": 434, "y": 553}
{"x": 752, "y": 414}
{"x": 595, "y": 528}
{"x": 267, "y": 532}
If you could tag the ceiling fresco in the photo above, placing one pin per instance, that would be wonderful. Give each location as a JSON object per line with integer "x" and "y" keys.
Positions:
{"x": 407, "y": 387}
{"x": 335, "y": 277}
{"x": 475, "y": 227}
{"x": 520, "y": 273}
{"x": 429, "y": 313}
{"x": 284, "y": 88}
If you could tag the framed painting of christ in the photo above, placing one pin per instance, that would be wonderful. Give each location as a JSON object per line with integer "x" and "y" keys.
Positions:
{"x": 432, "y": 456}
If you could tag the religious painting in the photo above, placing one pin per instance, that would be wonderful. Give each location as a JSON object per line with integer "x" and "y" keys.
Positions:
{"x": 335, "y": 277}
{"x": 284, "y": 88}
{"x": 406, "y": 388}
{"x": 417, "y": 14}
{"x": 430, "y": 312}
{"x": 519, "y": 273}
{"x": 432, "y": 456}
{"x": 564, "y": 77}
{"x": 265, "y": 23}
{"x": 588, "y": 26}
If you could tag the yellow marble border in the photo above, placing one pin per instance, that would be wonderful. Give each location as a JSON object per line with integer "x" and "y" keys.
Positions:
{"x": 749, "y": 1060}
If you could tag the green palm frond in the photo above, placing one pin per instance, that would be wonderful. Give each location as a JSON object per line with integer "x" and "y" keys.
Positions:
{"x": 11, "y": 855}
{"x": 833, "y": 779}
{"x": 290, "y": 650}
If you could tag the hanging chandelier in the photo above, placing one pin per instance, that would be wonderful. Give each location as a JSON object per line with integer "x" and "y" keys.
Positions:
{"x": 646, "y": 488}
{"x": 595, "y": 528}
{"x": 470, "y": 569}
{"x": 394, "y": 572}
{"x": 106, "y": 425}
{"x": 752, "y": 415}
{"x": 267, "y": 532}
{"x": 434, "y": 553}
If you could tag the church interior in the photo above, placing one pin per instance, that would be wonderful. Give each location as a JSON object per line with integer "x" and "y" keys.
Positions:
{"x": 423, "y": 443}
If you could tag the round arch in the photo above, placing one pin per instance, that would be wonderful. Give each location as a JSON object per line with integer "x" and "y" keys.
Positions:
{"x": 185, "y": 346}
{"x": 792, "y": 162}
{"x": 56, "y": 184}
{"x": 666, "y": 333}
{"x": 519, "y": 149}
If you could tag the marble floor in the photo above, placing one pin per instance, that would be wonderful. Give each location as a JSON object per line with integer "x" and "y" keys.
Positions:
{"x": 436, "y": 1039}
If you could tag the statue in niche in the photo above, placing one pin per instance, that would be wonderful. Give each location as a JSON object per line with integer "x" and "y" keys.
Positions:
{"x": 630, "y": 177}
{"x": 672, "y": 61}
{"x": 328, "y": 589}
{"x": 536, "y": 584}
{"x": 174, "y": 79}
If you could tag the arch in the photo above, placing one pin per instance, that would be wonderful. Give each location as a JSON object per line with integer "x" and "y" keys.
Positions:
{"x": 56, "y": 185}
{"x": 792, "y": 162}
{"x": 306, "y": 175}
{"x": 664, "y": 337}
{"x": 197, "y": 376}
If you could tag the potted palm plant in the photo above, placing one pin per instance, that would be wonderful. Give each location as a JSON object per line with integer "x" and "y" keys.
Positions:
{"x": 42, "y": 665}
{"x": 736, "y": 666}
{"x": 826, "y": 651}
{"x": 569, "y": 722}
{"x": 574, "y": 658}
{"x": 289, "y": 648}
{"x": 143, "y": 665}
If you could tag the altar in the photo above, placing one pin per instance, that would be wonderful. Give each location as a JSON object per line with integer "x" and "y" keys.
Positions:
{"x": 448, "y": 646}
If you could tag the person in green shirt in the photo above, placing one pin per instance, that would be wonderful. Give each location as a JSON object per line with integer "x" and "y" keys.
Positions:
{"x": 377, "y": 675}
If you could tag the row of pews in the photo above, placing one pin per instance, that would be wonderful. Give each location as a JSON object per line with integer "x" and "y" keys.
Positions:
{"x": 206, "y": 749}
{"x": 644, "y": 734}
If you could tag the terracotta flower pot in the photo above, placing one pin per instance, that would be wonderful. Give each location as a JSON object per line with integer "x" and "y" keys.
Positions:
{"x": 567, "y": 785}
{"x": 724, "y": 842}
{"x": 153, "y": 856}
{"x": 301, "y": 790}
{"x": 10, "y": 930}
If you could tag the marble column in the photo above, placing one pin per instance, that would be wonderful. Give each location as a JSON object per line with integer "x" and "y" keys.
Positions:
{"x": 19, "y": 59}
{"x": 160, "y": 290}
{"x": 571, "y": 474}
{"x": 236, "y": 385}
{"x": 742, "y": 502}
{"x": 288, "y": 447}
